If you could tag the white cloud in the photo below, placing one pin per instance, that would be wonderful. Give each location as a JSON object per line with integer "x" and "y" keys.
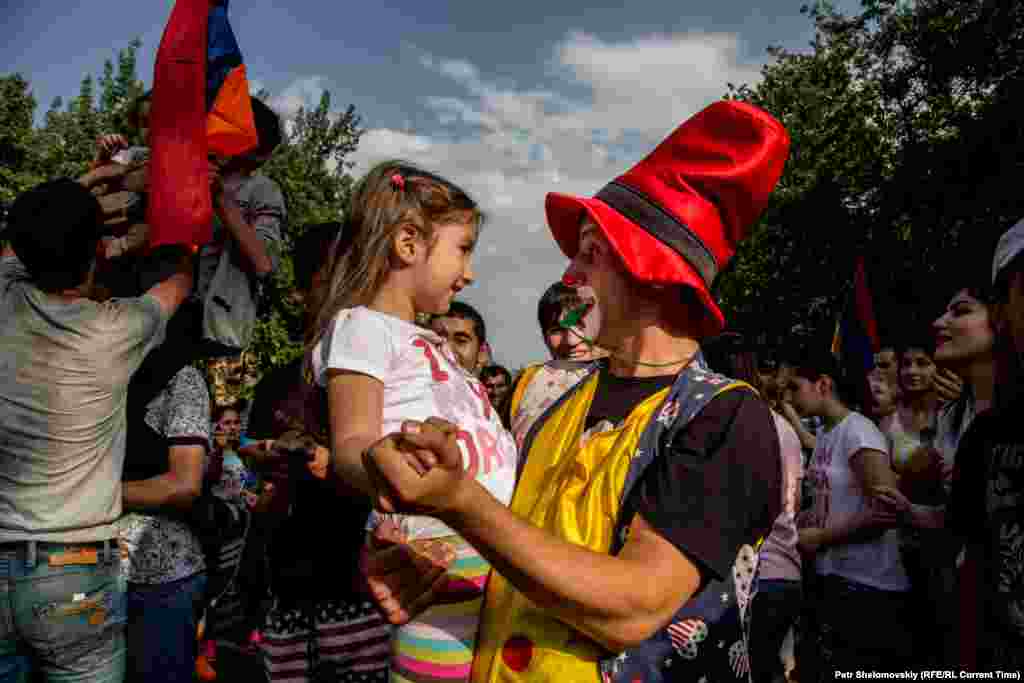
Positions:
{"x": 301, "y": 93}
{"x": 509, "y": 146}
{"x": 653, "y": 83}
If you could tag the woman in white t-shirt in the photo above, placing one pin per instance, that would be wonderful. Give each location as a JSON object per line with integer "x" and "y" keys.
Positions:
{"x": 861, "y": 608}
{"x": 405, "y": 250}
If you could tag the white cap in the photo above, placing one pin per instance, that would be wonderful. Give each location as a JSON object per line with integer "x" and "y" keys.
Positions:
{"x": 1010, "y": 244}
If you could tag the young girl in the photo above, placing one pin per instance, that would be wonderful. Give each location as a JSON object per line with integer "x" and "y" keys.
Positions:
{"x": 236, "y": 582}
{"x": 409, "y": 240}
{"x": 849, "y": 536}
{"x": 226, "y": 474}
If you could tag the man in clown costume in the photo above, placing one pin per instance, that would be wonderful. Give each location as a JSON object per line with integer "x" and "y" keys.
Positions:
{"x": 629, "y": 551}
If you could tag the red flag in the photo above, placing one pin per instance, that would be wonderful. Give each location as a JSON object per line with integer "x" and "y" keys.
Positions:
{"x": 179, "y": 209}
{"x": 865, "y": 310}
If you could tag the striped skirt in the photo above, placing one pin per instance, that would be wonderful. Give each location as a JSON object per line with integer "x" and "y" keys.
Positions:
{"x": 352, "y": 639}
{"x": 438, "y": 645}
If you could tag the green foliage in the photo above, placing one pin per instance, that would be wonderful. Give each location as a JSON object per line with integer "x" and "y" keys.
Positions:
{"x": 906, "y": 132}
{"x": 19, "y": 169}
{"x": 65, "y": 144}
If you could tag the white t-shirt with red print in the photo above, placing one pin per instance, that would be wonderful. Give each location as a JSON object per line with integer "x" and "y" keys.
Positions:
{"x": 421, "y": 379}
{"x": 838, "y": 496}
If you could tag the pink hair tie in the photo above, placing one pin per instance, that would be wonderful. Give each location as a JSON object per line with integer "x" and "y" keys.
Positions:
{"x": 398, "y": 181}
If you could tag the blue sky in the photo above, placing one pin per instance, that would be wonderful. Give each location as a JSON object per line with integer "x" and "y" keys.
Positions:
{"x": 511, "y": 99}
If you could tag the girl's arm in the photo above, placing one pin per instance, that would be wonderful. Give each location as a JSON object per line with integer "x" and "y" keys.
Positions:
{"x": 356, "y": 404}
{"x": 871, "y": 467}
{"x": 919, "y": 516}
{"x": 258, "y": 452}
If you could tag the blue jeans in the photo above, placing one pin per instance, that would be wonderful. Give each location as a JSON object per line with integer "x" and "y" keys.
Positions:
{"x": 162, "y": 621}
{"x": 62, "y": 613}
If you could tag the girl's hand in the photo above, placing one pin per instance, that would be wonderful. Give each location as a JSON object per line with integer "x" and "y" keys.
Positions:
{"x": 921, "y": 482}
{"x": 948, "y": 385}
{"x": 811, "y": 540}
{"x": 403, "y": 580}
{"x": 418, "y": 470}
{"x": 877, "y": 517}
{"x": 892, "y": 500}
{"x": 320, "y": 462}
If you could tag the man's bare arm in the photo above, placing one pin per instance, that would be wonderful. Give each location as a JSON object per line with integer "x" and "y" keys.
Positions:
{"x": 172, "y": 292}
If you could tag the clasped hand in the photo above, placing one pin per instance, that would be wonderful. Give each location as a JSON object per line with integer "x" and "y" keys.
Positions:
{"x": 418, "y": 470}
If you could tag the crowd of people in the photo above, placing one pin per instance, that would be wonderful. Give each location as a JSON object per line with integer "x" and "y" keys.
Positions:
{"x": 661, "y": 500}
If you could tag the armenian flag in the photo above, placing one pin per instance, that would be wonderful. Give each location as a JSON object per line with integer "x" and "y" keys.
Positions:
{"x": 856, "y": 340}
{"x": 200, "y": 107}
{"x": 230, "y": 127}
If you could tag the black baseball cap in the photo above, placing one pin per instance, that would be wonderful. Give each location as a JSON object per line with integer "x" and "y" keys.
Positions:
{"x": 54, "y": 229}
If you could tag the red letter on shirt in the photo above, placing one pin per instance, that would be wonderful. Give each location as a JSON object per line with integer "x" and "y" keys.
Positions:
{"x": 488, "y": 450}
{"x": 436, "y": 372}
{"x": 481, "y": 393}
{"x": 474, "y": 456}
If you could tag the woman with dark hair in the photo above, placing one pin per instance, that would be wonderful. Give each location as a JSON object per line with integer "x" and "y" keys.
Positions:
{"x": 987, "y": 501}
{"x": 964, "y": 344}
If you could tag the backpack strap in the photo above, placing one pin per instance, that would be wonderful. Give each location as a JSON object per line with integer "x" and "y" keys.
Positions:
{"x": 694, "y": 389}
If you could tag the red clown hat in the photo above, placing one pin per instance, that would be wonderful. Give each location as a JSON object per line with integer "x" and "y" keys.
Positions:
{"x": 677, "y": 216}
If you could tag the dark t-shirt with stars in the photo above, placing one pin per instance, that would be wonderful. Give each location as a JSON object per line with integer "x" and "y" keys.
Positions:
{"x": 727, "y": 449}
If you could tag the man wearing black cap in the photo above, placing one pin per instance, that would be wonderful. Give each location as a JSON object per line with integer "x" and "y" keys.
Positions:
{"x": 65, "y": 362}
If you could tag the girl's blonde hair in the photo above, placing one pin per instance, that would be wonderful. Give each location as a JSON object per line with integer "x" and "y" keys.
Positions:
{"x": 393, "y": 194}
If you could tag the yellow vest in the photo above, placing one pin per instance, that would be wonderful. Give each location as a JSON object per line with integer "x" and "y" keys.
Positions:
{"x": 570, "y": 486}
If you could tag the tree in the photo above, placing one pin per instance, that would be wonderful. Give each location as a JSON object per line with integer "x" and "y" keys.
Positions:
{"x": 18, "y": 164}
{"x": 784, "y": 277}
{"x": 120, "y": 91}
{"x": 906, "y": 129}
